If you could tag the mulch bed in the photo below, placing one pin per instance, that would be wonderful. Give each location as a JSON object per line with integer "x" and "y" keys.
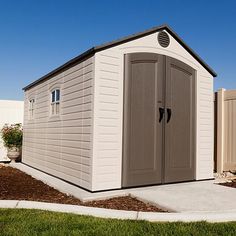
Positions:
{"x": 230, "y": 184}
{"x": 17, "y": 185}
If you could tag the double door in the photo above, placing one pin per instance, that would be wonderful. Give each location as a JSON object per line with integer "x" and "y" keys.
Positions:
{"x": 159, "y": 120}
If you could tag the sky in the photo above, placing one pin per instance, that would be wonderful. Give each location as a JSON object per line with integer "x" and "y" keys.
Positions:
{"x": 36, "y": 36}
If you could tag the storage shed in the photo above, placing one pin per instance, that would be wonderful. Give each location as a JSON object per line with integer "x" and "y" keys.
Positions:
{"x": 133, "y": 112}
{"x": 11, "y": 112}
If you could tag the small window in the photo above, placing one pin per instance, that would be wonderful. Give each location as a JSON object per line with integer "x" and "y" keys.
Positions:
{"x": 55, "y": 102}
{"x": 31, "y": 109}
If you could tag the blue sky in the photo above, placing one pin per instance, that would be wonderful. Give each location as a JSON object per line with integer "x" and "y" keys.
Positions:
{"x": 38, "y": 36}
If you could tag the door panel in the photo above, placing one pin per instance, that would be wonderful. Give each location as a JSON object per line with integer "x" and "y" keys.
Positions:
{"x": 158, "y": 151}
{"x": 179, "y": 131}
{"x": 142, "y": 131}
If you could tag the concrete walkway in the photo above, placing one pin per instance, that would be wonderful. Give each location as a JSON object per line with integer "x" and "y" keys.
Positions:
{"x": 119, "y": 214}
{"x": 202, "y": 196}
{"x": 197, "y": 197}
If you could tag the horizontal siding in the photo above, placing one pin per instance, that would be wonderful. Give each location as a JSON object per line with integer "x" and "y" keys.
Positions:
{"x": 108, "y": 109}
{"x": 62, "y": 146}
{"x": 107, "y": 122}
{"x": 205, "y": 128}
{"x": 85, "y": 145}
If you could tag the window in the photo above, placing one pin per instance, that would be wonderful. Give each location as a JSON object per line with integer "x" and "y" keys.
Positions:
{"x": 55, "y": 102}
{"x": 31, "y": 109}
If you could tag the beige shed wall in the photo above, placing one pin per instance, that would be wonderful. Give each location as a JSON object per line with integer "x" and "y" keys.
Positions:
{"x": 62, "y": 146}
{"x": 108, "y": 110}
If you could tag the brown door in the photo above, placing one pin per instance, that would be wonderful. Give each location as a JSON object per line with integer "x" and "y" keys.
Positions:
{"x": 159, "y": 105}
{"x": 179, "y": 122}
{"x": 143, "y": 133}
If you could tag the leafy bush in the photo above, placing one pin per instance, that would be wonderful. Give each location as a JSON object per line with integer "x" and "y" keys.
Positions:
{"x": 12, "y": 135}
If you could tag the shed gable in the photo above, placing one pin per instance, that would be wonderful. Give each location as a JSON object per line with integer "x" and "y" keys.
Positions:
{"x": 108, "y": 107}
{"x": 114, "y": 43}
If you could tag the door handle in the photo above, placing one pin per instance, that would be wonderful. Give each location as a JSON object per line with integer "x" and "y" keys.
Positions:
{"x": 161, "y": 113}
{"x": 168, "y": 114}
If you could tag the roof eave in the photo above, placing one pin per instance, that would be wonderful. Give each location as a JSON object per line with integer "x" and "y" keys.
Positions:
{"x": 90, "y": 52}
{"x": 114, "y": 43}
{"x": 191, "y": 51}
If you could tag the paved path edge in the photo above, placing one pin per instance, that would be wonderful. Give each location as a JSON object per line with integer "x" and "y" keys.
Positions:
{"x": 120, "y": 214}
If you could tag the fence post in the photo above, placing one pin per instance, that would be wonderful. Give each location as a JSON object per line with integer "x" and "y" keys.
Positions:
{"x": 220, "y": 129}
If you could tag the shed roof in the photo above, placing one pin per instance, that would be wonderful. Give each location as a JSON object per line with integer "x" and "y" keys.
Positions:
{"x": 95, "y": 49}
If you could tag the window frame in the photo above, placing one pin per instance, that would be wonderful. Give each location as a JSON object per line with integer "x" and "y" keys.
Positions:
{"x": 31, "y": 108}
{"x": 55, "y": 102}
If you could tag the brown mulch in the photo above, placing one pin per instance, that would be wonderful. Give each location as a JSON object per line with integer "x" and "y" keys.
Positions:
{"x": 124, "y": 203}
{"x": 230, "y": 184}
{"x": 17, "y": 185}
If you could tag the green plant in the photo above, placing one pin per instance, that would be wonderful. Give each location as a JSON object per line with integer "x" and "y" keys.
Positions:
{"x": 12, "y": 135}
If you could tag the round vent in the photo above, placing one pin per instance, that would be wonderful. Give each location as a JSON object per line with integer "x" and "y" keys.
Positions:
{"x": 163, "y": 39}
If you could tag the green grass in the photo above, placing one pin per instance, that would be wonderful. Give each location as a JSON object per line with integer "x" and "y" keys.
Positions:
{"x": 36, "y": 222}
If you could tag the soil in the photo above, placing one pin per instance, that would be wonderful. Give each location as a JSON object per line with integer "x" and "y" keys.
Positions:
{"x": 17, "y": 185}
{"x": 230, "y": 184}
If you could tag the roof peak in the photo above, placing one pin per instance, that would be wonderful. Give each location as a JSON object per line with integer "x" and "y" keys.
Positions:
{"x": 104, "y": 46}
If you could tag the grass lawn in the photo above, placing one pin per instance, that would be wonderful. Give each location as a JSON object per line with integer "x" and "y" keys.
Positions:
{"x": 36, "y": 222}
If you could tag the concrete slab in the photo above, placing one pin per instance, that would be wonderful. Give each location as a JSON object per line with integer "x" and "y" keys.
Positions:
{"x": 9, "y": 203}
{"x": 187, "y": 217}
{"x": 80, "y": 210}
{"x": 191, "y": 197}
{"x": 203, "y": 196}
{"x": 118, "y": 214}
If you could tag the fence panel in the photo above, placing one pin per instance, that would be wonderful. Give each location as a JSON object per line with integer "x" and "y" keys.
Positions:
{"x": 226, "y": 130}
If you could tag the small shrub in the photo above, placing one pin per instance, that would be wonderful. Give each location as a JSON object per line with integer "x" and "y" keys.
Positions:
{"x": 12, "y": 135}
